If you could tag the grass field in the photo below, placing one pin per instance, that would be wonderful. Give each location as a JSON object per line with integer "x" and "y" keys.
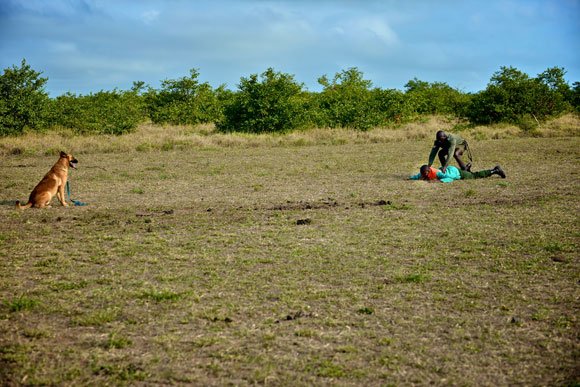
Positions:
{"x": 293, "y": 263}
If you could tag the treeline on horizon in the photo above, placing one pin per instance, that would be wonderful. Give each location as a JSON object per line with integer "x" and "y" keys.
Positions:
{"x": 275, "y": 102}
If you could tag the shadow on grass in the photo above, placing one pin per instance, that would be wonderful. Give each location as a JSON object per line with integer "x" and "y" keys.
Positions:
{"x": 7, "y": 202}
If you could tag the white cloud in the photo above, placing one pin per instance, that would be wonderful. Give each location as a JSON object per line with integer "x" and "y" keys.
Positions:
{"x": 377, "y": 27}
{"x": 150, "y": 16}
{"x": 117, "y": 42}
{"x": 60, "y": 47}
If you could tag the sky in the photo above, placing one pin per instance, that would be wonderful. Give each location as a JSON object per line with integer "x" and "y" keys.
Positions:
{"x": 85, "y": 46}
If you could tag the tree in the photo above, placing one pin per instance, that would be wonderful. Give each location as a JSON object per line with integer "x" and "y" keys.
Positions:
{"x": 513, "y": 97}
{"x": 505, "y": 99}
{"x": 106, "y": 112}
{"x": 22, "y": 99}
{"x": 273, "y": 102}
{"x": 554, "y": 78}
{"x": 347, "y": 101}
{"x": 435, "y": 98}
{"x": 575, "y": 96}
{"x": 555, "y": 92}
{"x": 391, "y": 105}
{"x": 183, "y": 101}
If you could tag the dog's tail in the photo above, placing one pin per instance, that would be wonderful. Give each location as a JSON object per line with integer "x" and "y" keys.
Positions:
{"x": 23, "y": 207}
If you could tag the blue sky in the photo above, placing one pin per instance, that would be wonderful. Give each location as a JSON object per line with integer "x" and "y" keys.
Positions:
{"x": 84, "y": 46}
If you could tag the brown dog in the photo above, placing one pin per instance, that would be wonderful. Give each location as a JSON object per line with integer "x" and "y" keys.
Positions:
{"x": 52, "y": 183}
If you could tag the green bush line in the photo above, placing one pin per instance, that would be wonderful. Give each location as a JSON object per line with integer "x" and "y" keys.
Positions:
{"x": 274, "y": 102}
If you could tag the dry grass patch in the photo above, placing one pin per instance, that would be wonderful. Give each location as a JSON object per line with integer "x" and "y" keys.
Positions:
{"x": 190, "y": 266}
{"x": 150, "y": 137}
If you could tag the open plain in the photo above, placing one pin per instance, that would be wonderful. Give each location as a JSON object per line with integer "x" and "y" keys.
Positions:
{"x": 293, "y": 263}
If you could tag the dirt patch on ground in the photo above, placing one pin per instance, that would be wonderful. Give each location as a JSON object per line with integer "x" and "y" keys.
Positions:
{"x": 327, "y": 204}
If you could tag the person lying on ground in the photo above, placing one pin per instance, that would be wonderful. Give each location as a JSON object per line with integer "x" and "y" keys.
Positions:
{"x": 453, "y": 173}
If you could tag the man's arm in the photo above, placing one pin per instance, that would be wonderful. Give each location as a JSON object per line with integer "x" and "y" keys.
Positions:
{"x": 452, "y": 145}
{"x": 433, "y": 154}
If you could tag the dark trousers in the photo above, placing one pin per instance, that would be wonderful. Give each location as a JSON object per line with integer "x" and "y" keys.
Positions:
{"x": 465, "y": 175}
{"x": 457, "y": 153}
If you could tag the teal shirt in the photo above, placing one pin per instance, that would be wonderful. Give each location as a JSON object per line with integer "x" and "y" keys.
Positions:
{"x": 452, "y": 173}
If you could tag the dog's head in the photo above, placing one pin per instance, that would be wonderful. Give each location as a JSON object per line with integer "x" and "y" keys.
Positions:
{"x": 72, "y": 162}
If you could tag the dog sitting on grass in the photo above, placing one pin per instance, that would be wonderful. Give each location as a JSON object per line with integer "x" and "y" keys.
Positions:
{"x": 52, "y": 183}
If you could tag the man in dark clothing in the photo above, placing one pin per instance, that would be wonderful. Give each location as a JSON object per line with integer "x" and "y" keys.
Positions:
{"x": 451, "y": 145}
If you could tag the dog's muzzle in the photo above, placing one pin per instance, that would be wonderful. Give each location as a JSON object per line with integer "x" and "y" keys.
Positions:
{"x": 73, "y": 163}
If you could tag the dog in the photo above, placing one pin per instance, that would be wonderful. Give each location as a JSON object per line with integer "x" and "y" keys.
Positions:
{"x": 52, "y": 183}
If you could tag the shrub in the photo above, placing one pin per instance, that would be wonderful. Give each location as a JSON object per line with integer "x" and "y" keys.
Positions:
{"x": 184, "y": 101}
{"x": 106, "y": 112}
{"x": 391, "y": 105}
{"x": 273, "y": 103}
{"x": 347, "y": 102}
{"x": 511, "y": 96}
{"x": 435, "y": 98}
{"x": 574, "y": 97}
{"x": 22, "y": 99}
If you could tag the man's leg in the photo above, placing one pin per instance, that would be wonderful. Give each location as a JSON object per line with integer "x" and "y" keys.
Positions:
{"x": 466, "y": 175}
{"x": 482, "y": 174}
{"x": 457, "y": 154}
{"x": 497, "y": 170}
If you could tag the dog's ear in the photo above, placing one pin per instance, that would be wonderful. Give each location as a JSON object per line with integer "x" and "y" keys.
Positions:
{"x": 63, "y": 154}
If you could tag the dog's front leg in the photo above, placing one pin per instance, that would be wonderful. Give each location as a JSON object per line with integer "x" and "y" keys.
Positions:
{"x": 60, "y": 195}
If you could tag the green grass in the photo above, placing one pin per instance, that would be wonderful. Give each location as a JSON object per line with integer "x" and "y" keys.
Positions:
{"x": 300, "y": 263}
{"x": 20, "y": 304}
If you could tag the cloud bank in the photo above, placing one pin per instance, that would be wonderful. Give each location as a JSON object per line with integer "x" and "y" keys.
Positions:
{"x": 85, "y": 46}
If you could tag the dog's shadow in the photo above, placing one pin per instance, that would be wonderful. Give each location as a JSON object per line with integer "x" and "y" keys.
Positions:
{"x": 7, "y": 202}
